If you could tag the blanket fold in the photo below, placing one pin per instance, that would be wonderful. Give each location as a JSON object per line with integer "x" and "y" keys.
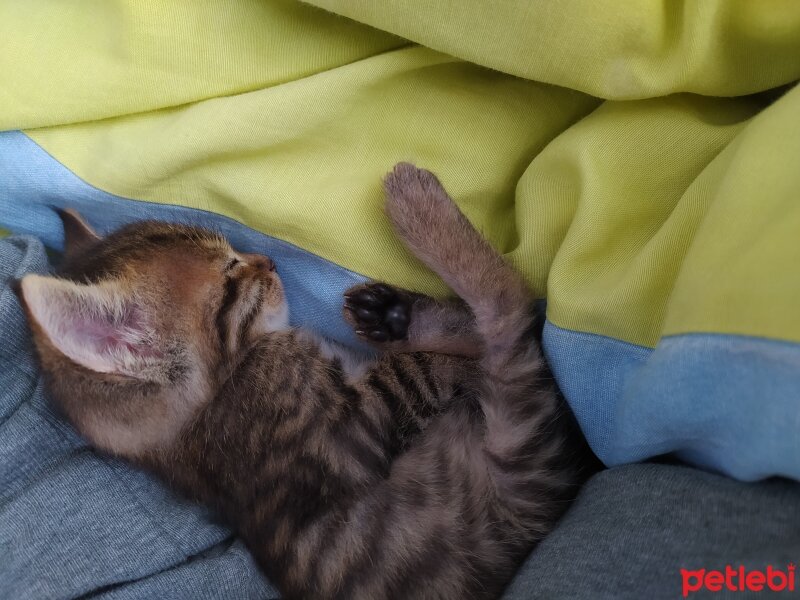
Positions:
{"x": 615, "y": 50}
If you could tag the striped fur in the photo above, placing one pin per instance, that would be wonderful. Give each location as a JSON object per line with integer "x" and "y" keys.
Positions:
{"x": 429, "y": 472}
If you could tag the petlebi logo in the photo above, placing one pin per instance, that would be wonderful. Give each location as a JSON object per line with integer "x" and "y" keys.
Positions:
{"x": 739, "y": 579}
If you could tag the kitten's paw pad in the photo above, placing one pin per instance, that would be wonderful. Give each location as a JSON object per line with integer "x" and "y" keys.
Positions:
{"x": 378, "y": 312}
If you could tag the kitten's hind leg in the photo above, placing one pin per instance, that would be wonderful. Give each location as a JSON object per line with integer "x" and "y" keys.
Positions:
{"x": 431, "y": 225}
{"x": 524, "y": 438}
{"x": 397, "y": 320}
{"x": 434, "y": 229}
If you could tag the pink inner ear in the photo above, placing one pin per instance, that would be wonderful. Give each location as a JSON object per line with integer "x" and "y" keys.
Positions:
{"x": 103, "y": 338}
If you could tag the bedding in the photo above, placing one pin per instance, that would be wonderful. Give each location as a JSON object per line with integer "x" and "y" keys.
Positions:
{"x": 637, "y": 162}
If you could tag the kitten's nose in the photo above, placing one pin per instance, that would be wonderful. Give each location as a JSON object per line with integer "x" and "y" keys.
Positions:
{"x": 260, "y": 261}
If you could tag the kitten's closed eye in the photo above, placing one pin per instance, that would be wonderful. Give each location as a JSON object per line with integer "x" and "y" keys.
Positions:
{"x": 231, "y": 264}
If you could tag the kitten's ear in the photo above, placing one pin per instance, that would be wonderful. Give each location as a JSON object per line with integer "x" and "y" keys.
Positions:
{"x": 78, "y": 235}
{"x": 98, "y": 326}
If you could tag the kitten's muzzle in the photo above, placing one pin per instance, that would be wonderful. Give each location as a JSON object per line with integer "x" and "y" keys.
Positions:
{"x": 259, "y": 261}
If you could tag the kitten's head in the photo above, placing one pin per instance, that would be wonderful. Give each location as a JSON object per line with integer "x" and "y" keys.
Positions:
{"x": 151, "y": 318}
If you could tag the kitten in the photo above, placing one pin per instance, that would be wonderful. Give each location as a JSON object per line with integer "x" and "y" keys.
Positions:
{"x": 428, "y": 472}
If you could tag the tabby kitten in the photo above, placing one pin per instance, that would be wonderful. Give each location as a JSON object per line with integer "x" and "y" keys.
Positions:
{"x": 428, "y": 472}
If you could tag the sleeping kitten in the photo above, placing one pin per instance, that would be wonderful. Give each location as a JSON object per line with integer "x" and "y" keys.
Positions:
{"x": 428, "y": 472}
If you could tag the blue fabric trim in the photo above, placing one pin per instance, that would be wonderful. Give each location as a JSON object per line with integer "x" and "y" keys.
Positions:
{"x": 32, "y": 181}
{"x": 723, "y": 402}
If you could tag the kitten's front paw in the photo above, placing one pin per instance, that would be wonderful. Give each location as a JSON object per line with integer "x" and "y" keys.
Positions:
{"x": 378, "y": 312}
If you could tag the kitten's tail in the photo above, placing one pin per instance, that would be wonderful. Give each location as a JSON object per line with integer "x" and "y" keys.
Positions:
{"x": 520, "y": 401}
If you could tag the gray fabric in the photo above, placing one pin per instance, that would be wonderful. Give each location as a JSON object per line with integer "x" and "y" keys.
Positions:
{"x": 634, "y": 528}
{"x": 74, "y": 523}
